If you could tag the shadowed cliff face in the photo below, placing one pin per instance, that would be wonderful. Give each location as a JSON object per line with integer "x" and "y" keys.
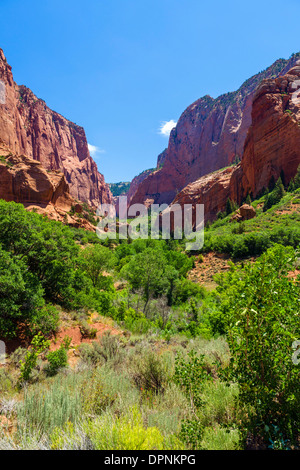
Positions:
{"x": 209, "y": 135}
{"x": 29, "y": 127}
{"x": 272, "y": 147}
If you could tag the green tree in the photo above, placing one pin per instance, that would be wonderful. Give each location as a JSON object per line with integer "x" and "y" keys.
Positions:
{"x": 46, "y": 247}
{"x": 261, "y": 308}
{"x": 146, "y": 271}
{"x": 191, "y": 375}
{"x": 275, "y": 196}
{"x": 21, "y": 296}
{"x": 94, "y": 260}
{"x": 248, "y": 200}
{"x": 295, "y": 182}
{"x": 229, "y": 207}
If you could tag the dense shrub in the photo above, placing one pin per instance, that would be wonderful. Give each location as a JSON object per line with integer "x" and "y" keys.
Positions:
{"x": 57, "y": 360}
{"x": 190, "y": 375}
{"x": 260, "y": 309}
{"x": 150, "y": 372}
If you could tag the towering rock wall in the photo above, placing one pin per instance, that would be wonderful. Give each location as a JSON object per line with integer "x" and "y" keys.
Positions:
{"x": 272, "y": 149}
{"x": 29, "y": 127}
{"x": 209, "y": 135}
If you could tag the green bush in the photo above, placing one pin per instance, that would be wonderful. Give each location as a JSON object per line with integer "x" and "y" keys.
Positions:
{"x": 150, "y": 372}
{"x": 46, "y": 320}
{"x": 86, "y": 330}
{"x": 43, "y": 408}
{"x": 57, "y": 360}
{"x": 90, "y": 354}
{"x": 38, "y": 346}
{"x": 191, "y": 375}
{"x": 261, "y": 306}
{"x": 125, "y": 433}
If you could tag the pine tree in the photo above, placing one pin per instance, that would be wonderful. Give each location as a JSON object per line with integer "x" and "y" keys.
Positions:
{"x": 271, "y": 183}
{"x": 229, "y": 207}
{"x": 282, "y": 176}
{"x": 297, "y": 179}
{"x": 248, "y": 200}
{"x": 275, "y": 196}
{"x": 291, "y": 187}
{"x": 279, "y": 191}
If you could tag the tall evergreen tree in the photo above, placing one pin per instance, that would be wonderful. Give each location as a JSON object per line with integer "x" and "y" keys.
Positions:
{"x": 297, "y": 179}
{"x": 248, "y": 200}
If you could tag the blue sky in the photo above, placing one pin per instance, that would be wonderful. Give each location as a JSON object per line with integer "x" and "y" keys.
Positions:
{"x": 124, "y": 68}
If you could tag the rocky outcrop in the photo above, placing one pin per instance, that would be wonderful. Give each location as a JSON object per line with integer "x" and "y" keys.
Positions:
{"x": 26, "y": 181}
{"x": 135, "y": 183}
{"x": 212, "y": 190}
{"x": 272, "y": 149}
{"x": 161, "y": 159}
{"x": 29, "y": 127}
{"x": 245, "y": 212}
{"x": 209, "y": 135}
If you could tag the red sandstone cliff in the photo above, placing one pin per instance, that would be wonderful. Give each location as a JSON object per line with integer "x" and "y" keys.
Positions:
{"x": 26, "y": 181}
{"x": 272, "y": 146}
{"x": 209, "y": 135}
{"x": 135, "y": 183}
{"x": 29, "y": 127}
{"x": 273, "y": 141}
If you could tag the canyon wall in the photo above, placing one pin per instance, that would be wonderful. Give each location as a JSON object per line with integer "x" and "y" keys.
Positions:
{"x": 209, "y": 135}
{"x": 29, "y": 127}
{"x": 272, "y": 149}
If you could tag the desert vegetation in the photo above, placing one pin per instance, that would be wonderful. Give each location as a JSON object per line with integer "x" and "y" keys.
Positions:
{"x": 176, "y": 366}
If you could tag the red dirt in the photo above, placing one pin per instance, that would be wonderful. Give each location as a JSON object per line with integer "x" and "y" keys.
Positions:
{"x": 212, "y": 264}
{"x": 76, "y": 336}
{"x": 292, "y": 208}
{"x": 294, "y": 274}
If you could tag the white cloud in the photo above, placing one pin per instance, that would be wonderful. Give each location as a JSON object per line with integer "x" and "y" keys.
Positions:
{"x": 94, "y": 150}
{"x": 166, "y": 127}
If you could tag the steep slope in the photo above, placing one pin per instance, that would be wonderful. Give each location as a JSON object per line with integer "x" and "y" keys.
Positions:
{"x": 272, "y": 146}
{"x": 272, "y": 149}
{"x": 135, "y": 183}
{"x": 29, "y": 127}
{"x": 120, "y": 188}
{"x": 131, "y": 189}
{"x": 209, "y": 135}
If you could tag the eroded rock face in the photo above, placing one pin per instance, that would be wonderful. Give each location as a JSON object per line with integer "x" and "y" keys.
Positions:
{"x": 272, "y": 149}
{"x": 212, "y": 190}
{"x": 209, "y": 135}
{"x": 137, "y": 180}
{"x": 26, "y": 181}
{"x": 29, "y": 127}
